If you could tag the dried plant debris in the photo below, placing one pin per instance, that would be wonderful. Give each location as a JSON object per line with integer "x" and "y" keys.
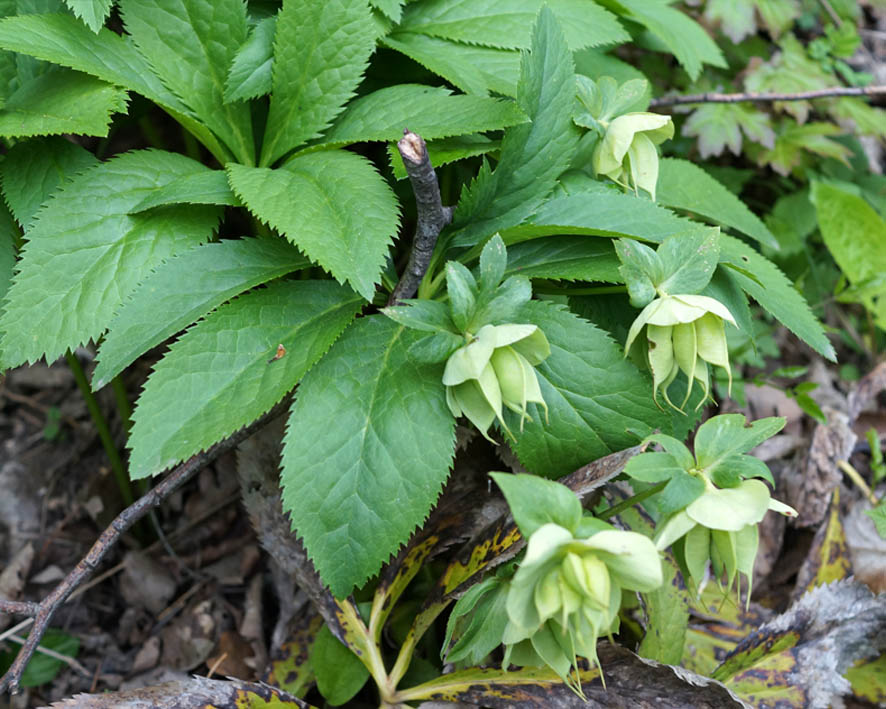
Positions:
{"x": 798, "y": 659}
{"x": 194, "y": 693}
{"x": 663, "y": 686}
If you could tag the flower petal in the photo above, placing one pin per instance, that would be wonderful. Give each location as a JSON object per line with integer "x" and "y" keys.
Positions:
{"x": 731, "y": 508}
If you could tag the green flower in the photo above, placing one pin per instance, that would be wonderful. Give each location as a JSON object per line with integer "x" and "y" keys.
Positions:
{"x": 721, "y": 525}
{"x": 496, "y": 368}
{"x": 684, "y": 333}
{"x": 627, "y": 152}
{"x": 567, "y": 592}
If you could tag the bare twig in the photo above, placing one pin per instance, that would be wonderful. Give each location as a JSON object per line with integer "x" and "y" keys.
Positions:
{"x": 67, "y": 659}
{"x": 432, "y": 215}
{"x": 18, "y": 607}
{"x": 713, "y": 97}
{"x": 42, "y": 613}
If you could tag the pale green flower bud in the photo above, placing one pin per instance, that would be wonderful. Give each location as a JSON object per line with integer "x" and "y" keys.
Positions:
{"x": 684, "y": 333}
{"x": 496, "y": 368}
{"x": 627, "y": 153}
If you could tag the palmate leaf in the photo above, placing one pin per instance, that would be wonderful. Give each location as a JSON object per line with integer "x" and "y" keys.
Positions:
{"x": 61, "y": 101}
{"x": 595, "y": 397}
{"x": 190, "y": 45}
{"x": 62, "y": 39}
{"x": 606, "y": 213}
{"x": 432, "y": 112}
{"x": 532, "y": 155}
{"x": 475, "y": 70}
{"x": 210, "y": 187}
{"x": 333, "y": 205}
{"x": 367, "y": 450}
{"x": 92, "y": 12}
{"x": 506, "y": 23}
{"x": 185, "y": 288}
{"x": 222, "y": 374}
{"x": 7, "y": 248}
{"x": 578, "y": 258}
{"x": 685, "y": 38}
{"x": 250, "y": 73}
{"x": 683, "y": 185}
{"x": 33, "y": 169}
{"x": 315, "y": 70}
{"x": 85, "y": 252}
{"x": 720, "y": 125}
{"x": 772, "y": 290}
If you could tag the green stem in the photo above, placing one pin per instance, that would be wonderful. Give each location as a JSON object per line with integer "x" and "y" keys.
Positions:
{"x": 101, "y": 425}
{"x": 631, "y": 501}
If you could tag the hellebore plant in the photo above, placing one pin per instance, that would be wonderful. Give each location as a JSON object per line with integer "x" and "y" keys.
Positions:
{"x": 566, "y": 591}
{"x": 488, "y": 366}
{"x": 626, "y": 149}
{"x": 627, "y": 154}
{"x": 496, "y": 368}
{"x": 710, "y": 505}
{"x": 685, "y": 331}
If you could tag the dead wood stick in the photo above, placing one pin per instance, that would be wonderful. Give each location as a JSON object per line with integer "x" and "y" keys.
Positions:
{"x": 714, "y": 97}
{"x": 432, "y": 216}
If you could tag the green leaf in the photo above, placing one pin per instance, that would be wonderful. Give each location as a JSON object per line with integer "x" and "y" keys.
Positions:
{"x": 720, "y": 125}
{"x": 689, "y": 260}
{"x": 435, "y": 348}
{"x": 64, "y": 40}
{"x": 41, "y": 668}
{"x": 185, "y": 288}
{"x": 92, "y": 12}
{"x": 475, "y": 70}
{"x": 392, "y": 9}
{"x": 523, "y": 493}
{"x": 315, "y": 71}
{"x": 8, "y": 233}
{"x": 210, "y": 187}
{"x": 853, "y": 232}
{"x": 685, "y": 38}
{"x": 478, "y": 621}
{"x": 250, "y": 72}
{"x": 61, "y": 101}
{"x": 357, "y": 489}
{"x": 333, "y": 205}
{"x": 771, "y": 289}
{"x": 432, "y": 112}
{"x": 723, "y": 436}
{"x": 339, "y": 672}
{"x": 85, "y": 252}
{"x": 462, "y": 290}
{"x": 654, "y": 467}
{"x": 736, "y": 17}
{"x": 793, "y": 141}
{"x": 572, "y": 258}
{"x": 601, "y": 214}
{"x": 505, "y": 23}
{"x": 532, "y": 155}
{"x": 222, "y": 374}
{"x": 683, "y": 185}
{"x": 878, "y": 514}
{"x": 493, "y": 264}
{"x": 426, "y": 315}
{"x": 446, "y": 150}
{"x": 33, "y": 169}
{"x": 594, "y": 395}
{"x": 190, "y": 45}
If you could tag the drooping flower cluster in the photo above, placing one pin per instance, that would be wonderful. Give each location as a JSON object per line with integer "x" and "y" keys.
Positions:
{"x": 684, "y": 333}
{"x": 627, "y": 153}
{"x": 721, "y": 525}
{"x": 567, "y": 593}
{"x": 496, "y": 368}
